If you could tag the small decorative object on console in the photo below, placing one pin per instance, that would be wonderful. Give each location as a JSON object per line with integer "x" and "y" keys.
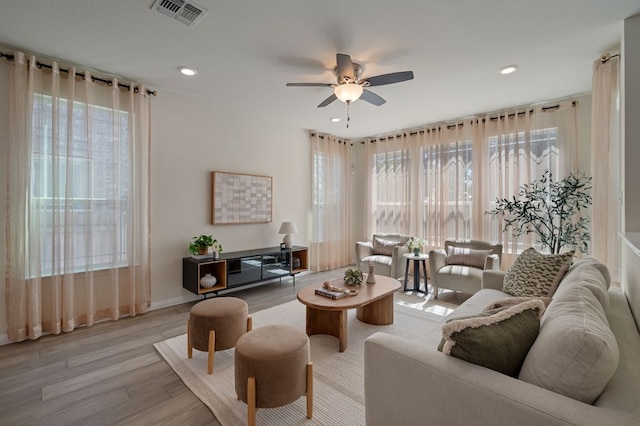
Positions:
{"x": 208, "y": 281}
{"x": 353, "y": 277}
{"x": 200, "y": 245}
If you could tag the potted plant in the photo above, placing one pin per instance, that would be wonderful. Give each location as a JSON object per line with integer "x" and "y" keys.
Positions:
{"x": 415, "y": 244}
{"x": 353, "y": 277}
{"x": 200, "y": 245}
{"x": 553, "y": 210}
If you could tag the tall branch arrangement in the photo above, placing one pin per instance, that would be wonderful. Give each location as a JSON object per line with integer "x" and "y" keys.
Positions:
{"x": 551, "y": 210}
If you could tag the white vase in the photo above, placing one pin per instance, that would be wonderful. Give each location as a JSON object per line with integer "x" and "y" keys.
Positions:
{"x": 371, "y": 278}
{"x": 208, "y": 281}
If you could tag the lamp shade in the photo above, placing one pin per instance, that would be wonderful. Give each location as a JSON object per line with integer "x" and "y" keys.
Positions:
{"x": 348, "y": 92}
{"x": 288, "y": 228}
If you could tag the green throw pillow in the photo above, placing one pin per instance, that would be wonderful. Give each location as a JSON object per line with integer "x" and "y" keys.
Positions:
{"x": 498, "y": 339}
{"x": 536, "y": 275}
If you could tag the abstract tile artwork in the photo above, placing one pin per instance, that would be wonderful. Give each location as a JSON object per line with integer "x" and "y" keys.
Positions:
{"x": 241, "y": 198}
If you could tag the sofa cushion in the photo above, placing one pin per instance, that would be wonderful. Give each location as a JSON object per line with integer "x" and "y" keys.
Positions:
{"x": 575, "y": 353}
{"x": 590, "y": 261}
{"x": 498, "y": 339}
{"x": 467, "y": 257}
{"x": 384, "y": 246}
{"x": 589, "y": 277}
{"x": 535, "y": 274}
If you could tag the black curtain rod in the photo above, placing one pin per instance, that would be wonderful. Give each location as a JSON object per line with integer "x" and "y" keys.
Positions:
{"x": 606, "y": 57}
{"x": 11, "y": 58}
{"x": 340, "y": 141}
{"x": 471, "y": 122}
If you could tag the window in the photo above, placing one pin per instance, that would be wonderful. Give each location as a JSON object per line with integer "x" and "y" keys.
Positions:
{"x": 392, "y": 191}
{"x": 448, "y": 190}
{"x": 327, "y": 174}
{"x": 514, "y": 159}
{"x": 79, "y": 186}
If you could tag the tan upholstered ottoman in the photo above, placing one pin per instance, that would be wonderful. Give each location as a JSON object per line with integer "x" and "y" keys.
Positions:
{"x": 273, "y": 368}
{"x": 216, "y": 325}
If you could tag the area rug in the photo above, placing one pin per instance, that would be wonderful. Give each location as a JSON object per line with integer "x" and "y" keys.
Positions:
{"x": 338, "y": 386}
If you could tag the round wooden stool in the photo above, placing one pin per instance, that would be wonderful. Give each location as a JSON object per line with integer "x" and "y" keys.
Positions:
{"x": 273, "y": 368}
{"x": 216, "y": 325}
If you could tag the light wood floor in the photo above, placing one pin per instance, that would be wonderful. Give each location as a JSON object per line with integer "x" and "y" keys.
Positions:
{"x": 111, "y": 374}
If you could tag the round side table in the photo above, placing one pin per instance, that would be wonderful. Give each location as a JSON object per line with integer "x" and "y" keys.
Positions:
{"x": 417, "y": 260}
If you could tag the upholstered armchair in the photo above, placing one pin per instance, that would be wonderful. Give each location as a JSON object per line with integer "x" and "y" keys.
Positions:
{"x": 385, "y": 251}
{"x": 460, "y": 265}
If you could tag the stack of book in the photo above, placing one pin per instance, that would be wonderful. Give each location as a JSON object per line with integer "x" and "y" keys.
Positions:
{"x": 330, "y": 294}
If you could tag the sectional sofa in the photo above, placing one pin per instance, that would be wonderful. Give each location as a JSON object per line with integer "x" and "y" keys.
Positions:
{"x": 582, "y": 369}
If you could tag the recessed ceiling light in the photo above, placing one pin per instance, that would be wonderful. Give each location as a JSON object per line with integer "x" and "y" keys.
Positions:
{"x": 335, "y": 120}
{"x": 508, "y": 69}
{"x": 189, "y": 72}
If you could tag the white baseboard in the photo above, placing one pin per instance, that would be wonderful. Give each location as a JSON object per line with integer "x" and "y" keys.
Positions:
{"x": 4, "y": 340}
{"x": 174, "y": 301}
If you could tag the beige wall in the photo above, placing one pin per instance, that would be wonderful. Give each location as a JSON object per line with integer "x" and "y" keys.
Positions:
{"x": 630, "y": 123}
{"x": 190, "y": 138}
{"x": 630, "y": 241}
{"x": 4, "y": 128}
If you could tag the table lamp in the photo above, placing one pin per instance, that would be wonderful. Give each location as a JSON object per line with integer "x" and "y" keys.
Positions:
{"x": 288, "y": 228}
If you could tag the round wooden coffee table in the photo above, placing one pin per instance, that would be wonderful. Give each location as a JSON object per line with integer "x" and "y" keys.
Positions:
{"x": 373, "y": 304}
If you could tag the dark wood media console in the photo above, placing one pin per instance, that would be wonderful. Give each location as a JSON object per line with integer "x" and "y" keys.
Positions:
{"x": 241, "y": 268}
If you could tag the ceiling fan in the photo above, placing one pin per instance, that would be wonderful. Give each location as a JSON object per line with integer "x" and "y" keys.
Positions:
{"x": 351, "y": 87}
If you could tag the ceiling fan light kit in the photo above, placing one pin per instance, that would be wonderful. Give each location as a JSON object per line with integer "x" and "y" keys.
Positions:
{"x": 348, "y": 92}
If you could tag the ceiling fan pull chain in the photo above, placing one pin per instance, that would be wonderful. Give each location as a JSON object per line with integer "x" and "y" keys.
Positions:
{"x": 348, "y": 117}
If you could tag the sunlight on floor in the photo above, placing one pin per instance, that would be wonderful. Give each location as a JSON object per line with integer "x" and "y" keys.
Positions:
{"x": 425, "y": 306}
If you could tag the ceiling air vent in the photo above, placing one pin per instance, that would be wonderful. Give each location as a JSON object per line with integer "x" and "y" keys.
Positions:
{"x": 187, "y": 12}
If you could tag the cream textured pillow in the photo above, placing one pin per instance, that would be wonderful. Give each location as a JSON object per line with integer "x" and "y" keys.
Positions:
{"x": 535, "y": 274}
{"x": 576, "y": 353}
{"x": 384, "y": 247}
{"x": 497, "y": 339}
{"x": 467, "y": 257}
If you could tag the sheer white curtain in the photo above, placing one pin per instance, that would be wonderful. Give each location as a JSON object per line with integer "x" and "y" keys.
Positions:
{"x": 515, "y": 149}
{"x": 330, "y": 238}
{"x": 605, "y": 163}
{"x": 446, "y": 176}
{"x": 437, "y": 183}
{"x": 77, "y": 200}
{"x": 391, "y": 185}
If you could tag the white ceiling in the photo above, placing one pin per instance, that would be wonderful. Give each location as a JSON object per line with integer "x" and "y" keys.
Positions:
{"x": 246, "y": 50}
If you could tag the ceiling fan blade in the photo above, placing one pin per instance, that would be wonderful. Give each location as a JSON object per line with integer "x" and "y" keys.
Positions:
{"x": 328, "y": 101}
{"x": 394, "y": 77}
{"x": 309, "y": 84}
{"x": 345, "y": 67}
{"x": 372, "y": 98}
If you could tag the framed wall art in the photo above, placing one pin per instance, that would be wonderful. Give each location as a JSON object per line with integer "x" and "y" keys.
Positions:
{"x": 241, "y": 198}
